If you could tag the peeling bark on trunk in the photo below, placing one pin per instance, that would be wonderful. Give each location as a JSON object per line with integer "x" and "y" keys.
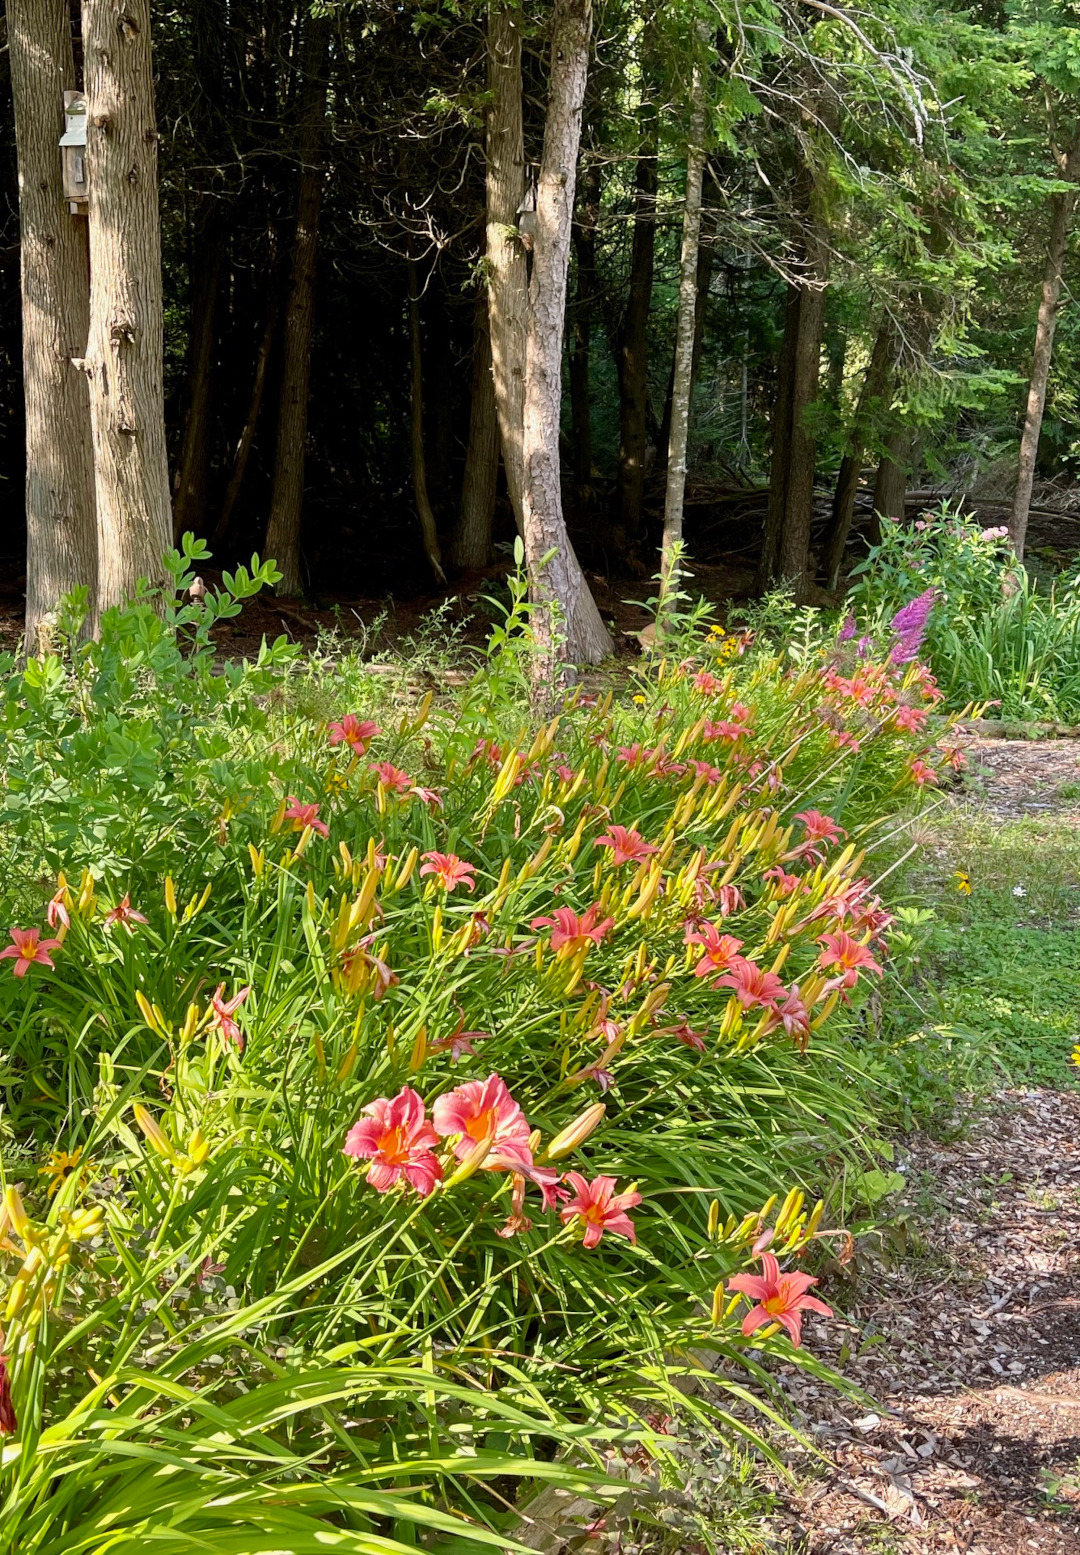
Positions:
{"x": 61, "y": 530}
{"x": 875, "y": 385}
{"x": 1061, "y": 208}
{"x": 557, "y": 584}
{"x": 682, "y": 384}
{"x": 506, "y": 268}
{"x": 428, "y": 529}
{"x": 634, "y": 346}
{"x": 287, "y": 497}
{"x": 472, "y": 536}
{"x": 125, "y": 345}
{"x": 584, "y": 302}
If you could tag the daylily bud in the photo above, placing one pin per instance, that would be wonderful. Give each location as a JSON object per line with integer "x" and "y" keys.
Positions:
{"x": 575, "y": 1133}
{"x": 155, "y": 1135}
{"x": 198, "y": 1148}
{"x": 170, "y": 896}
{"x": 258, "y": 860}
{"x": 472, "y": 1162}
{"x": 302, "y": 842}
{"x": 309, "y": 897}
{"x": 714, "y": 1219}
{"x": 278, "y": 820}
{"x": 718, "y": 1304}
{"x": 15, "y": 1214}
{"x": 419, "y": 1052}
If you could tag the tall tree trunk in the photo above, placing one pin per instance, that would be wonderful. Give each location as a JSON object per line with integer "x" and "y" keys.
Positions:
{"x": 61, "y": 531}
{"x": 706, "y": 252}
{"x": 682, "y": 386}
{"x": 890, "y": 487}
{"x": 287, "y": 495}
{"x": 584, "y": 302}
{"x": 794, "y": 561}
{"x": 125, "y": 346}
{"x": 472, "y": 535}
{"x": 242, "y": 452}
{"x": 1061, "y": 207}
{"x": 557, "y": 584}
{"x": 428, "y": 529}
{"x": 874, "y": 387}
{"x": 506, "y": 267}
{"x": 780, "y": 457}
{"x": 634, "y": 346}
{"x": 193, "y": 465}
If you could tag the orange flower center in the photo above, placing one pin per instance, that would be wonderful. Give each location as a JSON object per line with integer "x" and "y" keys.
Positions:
{"x": 395, "y": 1146}
{"x": 29, "y": 950}
{"x": 775, "y": 1305}
{"x": 595, "y": 1214}
{"x": 483, "y": 1125}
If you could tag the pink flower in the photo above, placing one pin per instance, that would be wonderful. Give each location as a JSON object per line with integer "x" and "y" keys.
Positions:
{"x": 921, "y": 774}
{"x": 780, "y": 1298}
{"x": 723, "y": 730}
{"x": 718, "y": 950}
{"x": 460, "y": 1042}
{"x": 222, "y": 1011}
{"x": 751, "y": 985}
{"x": 392, "y": 777}
{"x": 485, "y": 1110}
{"x": 304, "y": 815}
{"x": 123, "y": 913}
{"x": 818, "y": 827}
{"x": 705, "y": 772}
{"x": 730, "y": 899}
{"x": 689, "y": 1038}
{"x": 449, "y": 870}
{"x": 351, "y": 731}
{"x": 632, "y": 755}
{"x": 570, "y": 933}
{"x": 627, "y": 847}
{"x": 844, "y": 952}
{"x": 397, "y": 1139}
{"x": 8, "y": 1422}
{"x": 56, "y": 912}
{"x": 706, "y": 683}
{"x": 783, "y": 883}
{"x": 600, "y": 1208}
{"x": 793, "y": 1015}
{"x": 28, "y": 950}
{"x": 910, "y": 718}
{"x": 429, "y": 796}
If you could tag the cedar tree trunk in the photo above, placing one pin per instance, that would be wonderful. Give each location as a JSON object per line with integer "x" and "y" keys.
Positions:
{"x": 890, "y": 487}
{"x": 557, "y": 584}
{"x": 634, "y": 348}
{"x": 124, "y": 349}
{"x": 875, "y": 386}
{"x": 506, "y": 268}
{"x": 61, "y": 530}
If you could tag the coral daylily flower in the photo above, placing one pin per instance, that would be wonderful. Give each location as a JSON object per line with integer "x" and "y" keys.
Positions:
{"x": 304, "y": 815}
{"x": 449, "y": 870}
{"x": 392, "y": 777}
{"x": 600, "y": 1208}
{"x": 921, "y": 774}
{"x": 570, "y": 933}
{"x": 910, "y": 718}
{"x": 485, "y": 1110}
{"x": 780, "y": 1298}
{"x": 29, "y": 949}
{"x": 123, "y": 913}
{"x": 706, "y": 772}
{"x": 724, "y": 729}
{"x": 751, "y": 985}
{"x": 223, "y": 1010}
{"x": 627, "y": 847}
{"x": 718, "y": 952}
{"x": 397, "y": 1139}
{"x": 429, "y": 796}
{"x": 846, "y": 953}
{"x": 818, "y": 827}
{"x": 56, "y": 912}
{"x": 353, "y": 732}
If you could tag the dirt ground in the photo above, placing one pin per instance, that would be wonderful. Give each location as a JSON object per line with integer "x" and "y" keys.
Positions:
{"x": 967, "y": 1338}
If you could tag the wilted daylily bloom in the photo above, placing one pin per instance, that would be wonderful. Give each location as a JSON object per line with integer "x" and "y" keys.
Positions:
{"x": 570, "y": 933}
{"x": 485, "y": 1110}
{"x": 124, "y": 913}
{"x": 627, "y": 847}
{"x": 780, "y": 1298}
{"x": 28, "y": 950}
{"x": 449, "y": 870}
{"x": 459, "y": 1042}
{"x": 429, "y": 796}
{"x": 600, "y": 1208}
{"x": 353, "y": 732}
{"x": 8, "y": 1422}
{"x": 222, "y": 1011}
{"x": 397, "y": 1139}
{"x": 304, "y": 815}
{"x": 718, "y": 950}
{"x": 846, "y": 953}
{"x": 706, "y": 772}
{"x": 751, "y": 985}
{"x": 793, "y": 1015}
{"x": 56, "y": 912}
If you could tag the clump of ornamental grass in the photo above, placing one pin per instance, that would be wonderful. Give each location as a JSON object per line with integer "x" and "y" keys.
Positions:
{"x": 456, "y": 1045}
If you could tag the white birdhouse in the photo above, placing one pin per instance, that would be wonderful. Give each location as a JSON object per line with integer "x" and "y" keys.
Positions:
{"x": 73, "y": 153}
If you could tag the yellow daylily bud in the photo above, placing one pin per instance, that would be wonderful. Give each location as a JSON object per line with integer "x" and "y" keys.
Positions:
{"x": 419, "y": 1052}
{"x": 815, "y": 1217}
{"x": 258, "y": 860}
{"x": 150, "y": 1013}
{"x": 714, "y": 1219}
{"x": 278, "y": 820}
{"x": 309, "y": 897}
{"x": 155, "y": 1135}
{"x": 198, "y": 1148}
{"x": 718, "y": 1304}
{"x": 15, "y": 1214}
{"x": 196, "y": 905}
{"x": 575, "y": 1133}
{"x": 436, "y": 928}
{"x": 301, "y": 846}
{"x": 472, "y": 1162}
{"x": 348, "y": 1063}
{"x": 170, "y": 896}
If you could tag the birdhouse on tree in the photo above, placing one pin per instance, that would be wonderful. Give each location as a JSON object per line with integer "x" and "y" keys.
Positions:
{"x": 73, "y": 153}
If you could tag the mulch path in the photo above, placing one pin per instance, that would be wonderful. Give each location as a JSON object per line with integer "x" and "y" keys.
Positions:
{"x": 966, "y": 1340}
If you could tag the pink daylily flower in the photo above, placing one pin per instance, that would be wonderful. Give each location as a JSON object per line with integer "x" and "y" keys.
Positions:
{"x": 459, "y": 1042}
{"x": 28, "y": 949}
{"x": 779, "y": 1298}
{"x": 223, "y": 1010}
{"x": 921, "y": 774}
{"x": 718, "y": 951}
{"x": 846, "y": 953}
{"x": 485, "y": 1110}
{"x": 600, "y": 1208}
{"x": 397, "y": 1139}
{"x": 353, "y": 732}
{"x": 304, "y": 815}
{"x": 751, "y": 985}
{"x": 56, "y": 912}
{"x": 449, "y": 870}
{"x": 627, "y": 847}
{"x": 124, "y": 913}
{"x": 392, "y": 777}
{"x": 570, "y": 933}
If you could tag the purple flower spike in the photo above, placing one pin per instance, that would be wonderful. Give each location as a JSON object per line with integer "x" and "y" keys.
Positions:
{"x": 847, "y": 631}
{"x": 909, "y": 624}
